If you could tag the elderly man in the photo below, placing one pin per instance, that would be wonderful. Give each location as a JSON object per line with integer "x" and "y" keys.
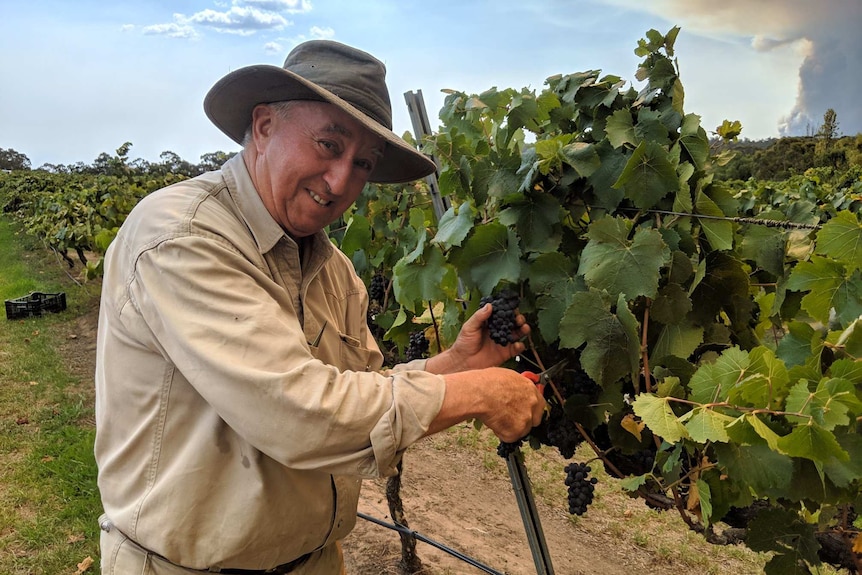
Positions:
{"x": 239, "y": 397}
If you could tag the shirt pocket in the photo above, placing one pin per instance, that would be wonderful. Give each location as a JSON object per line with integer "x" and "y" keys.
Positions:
{"x": 353, "y": 355}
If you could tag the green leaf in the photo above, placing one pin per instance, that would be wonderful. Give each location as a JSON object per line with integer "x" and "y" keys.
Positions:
{"x": 829, "y": 288}
{"x": 841, "y": 238}
{"x": 784, "y": 531}
{"x": 672, "y": 304}
{"x": 704, "y": 424}
{"x": 767, "y": 381}
{"x": 694, "y": 140}
{"x": 659, "y": 417}
{"x": 843, "y": 473}
{"x": 357, "y": 235}
{"x": 536, "y": 219}
{"x": 490, "y": 255}
{"x": 712, "y": 381}
{"x": 795, "y": 347}
{"x": 553, "y": 280}
{"x": 454, "y": 225}
{"x": 582, "y": 157}
{"x": 756, "y": 467}
{"x": 812, "y": 442}
{"x": 765, "y": 247}
{"x": 705, "y": 498}
{"x": 620, "y": 129}
{"x": 679, "y": 340}
{"x": 612, "y": 165}
{"x": 648, "y": 175}
{"x": 633, "y": 483}
{"x": 609, "y": 337}
{"x": 719, "y": 233}
{"x": 613, "y": 263}
{"x": 763, "y": 430}
{"x": 426, "y": 278}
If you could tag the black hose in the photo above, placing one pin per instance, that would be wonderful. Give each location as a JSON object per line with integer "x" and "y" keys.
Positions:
{"x": 402, "y": 529}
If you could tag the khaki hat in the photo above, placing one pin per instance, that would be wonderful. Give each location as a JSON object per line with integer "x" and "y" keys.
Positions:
{"x": 325, "y": 71}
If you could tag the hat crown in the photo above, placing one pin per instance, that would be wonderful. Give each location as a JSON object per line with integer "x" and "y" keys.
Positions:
{"x": 351, "y": 74}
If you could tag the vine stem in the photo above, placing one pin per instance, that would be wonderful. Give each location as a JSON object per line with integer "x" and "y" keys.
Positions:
{"x": 644, "y": 354}
{"x": 436, "y": 330}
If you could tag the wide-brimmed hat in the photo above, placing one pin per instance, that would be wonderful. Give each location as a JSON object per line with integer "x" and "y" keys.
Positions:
{"x": 325, "y": 71}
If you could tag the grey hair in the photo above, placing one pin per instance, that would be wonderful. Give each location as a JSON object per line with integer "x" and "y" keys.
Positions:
{"x": 281, "y": 108}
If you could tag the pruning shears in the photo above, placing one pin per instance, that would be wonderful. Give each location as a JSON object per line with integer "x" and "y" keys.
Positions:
{"x": 541, "y": 379}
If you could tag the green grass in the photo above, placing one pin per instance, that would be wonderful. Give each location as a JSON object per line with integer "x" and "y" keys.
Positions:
{"x": 49, "y": 503}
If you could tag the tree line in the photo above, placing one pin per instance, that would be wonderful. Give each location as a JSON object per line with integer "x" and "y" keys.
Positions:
{"x": 121, "y": 164}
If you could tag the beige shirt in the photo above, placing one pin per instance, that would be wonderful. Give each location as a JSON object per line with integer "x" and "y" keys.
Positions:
{"x": 224, "y": 436}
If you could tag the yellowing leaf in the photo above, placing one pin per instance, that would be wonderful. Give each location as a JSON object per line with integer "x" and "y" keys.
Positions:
{"x": 630, "y": 424}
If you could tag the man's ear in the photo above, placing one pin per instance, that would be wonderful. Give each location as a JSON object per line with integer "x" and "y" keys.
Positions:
{"x": 262, "y": 122}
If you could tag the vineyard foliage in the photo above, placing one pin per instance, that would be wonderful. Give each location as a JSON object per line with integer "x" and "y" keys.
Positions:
{"x": 722, "y": 321}
{"x": 719, "y": 323}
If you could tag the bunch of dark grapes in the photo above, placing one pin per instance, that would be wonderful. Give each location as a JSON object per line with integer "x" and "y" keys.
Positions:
{"x": 418, "y": 346}
{"x": 581, "y": 487}
{"x": 377, "y": 289}
{"x": 562, "y": 432}
{"x": 501, "y": 324}
{"x": 578, "y": 382}
{"x": 506, "y": 448}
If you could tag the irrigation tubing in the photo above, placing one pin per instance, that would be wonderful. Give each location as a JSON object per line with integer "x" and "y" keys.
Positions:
{"x": 406, "y": 530}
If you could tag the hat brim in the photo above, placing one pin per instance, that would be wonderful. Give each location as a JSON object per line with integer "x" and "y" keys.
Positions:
{"x": 230, "y": 102}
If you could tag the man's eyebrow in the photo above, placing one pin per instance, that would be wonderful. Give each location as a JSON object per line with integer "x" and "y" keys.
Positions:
{"x": 342, "y": 130}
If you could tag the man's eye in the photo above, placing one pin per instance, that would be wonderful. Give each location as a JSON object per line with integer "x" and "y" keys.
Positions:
{"x": 328, "y": 145}
{"x": 365, "y": 165}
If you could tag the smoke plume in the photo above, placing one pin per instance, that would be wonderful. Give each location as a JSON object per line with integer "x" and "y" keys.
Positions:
{"x": 828, "y": 31}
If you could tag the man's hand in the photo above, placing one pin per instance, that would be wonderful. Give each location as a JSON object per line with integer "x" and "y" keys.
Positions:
{"x": 474, "y": 349}
{"x": 504, "y": 400}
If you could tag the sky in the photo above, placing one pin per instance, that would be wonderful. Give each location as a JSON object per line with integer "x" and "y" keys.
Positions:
{"x": 80, "y": 78}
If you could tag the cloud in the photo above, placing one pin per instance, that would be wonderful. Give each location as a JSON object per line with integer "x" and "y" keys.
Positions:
{"x": 172, "y": 30}
{"x": 830, "y": 74}
{"x": 283, "y": 6}
{"x": 319, "y": 33}
{"x": 238, "y": 20}
{"x": 127, "y": 27}
{"x": 273, "y": 48}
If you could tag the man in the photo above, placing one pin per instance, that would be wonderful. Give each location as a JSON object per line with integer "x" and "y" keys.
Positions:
{"x": 238, "y": 398}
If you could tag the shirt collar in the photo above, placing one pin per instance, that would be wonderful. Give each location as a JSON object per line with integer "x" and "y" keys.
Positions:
{"x": 266, "y": 231}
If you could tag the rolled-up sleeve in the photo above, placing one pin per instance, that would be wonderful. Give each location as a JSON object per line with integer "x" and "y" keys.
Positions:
{"x": 235, "y": 338}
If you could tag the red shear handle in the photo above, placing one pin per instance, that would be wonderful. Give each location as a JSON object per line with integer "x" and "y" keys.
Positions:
{"x": 535, "y": 378}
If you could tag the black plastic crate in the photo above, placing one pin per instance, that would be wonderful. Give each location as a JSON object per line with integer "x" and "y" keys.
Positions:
{"x": 34, "y": 304}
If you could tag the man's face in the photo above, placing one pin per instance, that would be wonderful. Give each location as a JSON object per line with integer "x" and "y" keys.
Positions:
{"x": 310, "y": 165}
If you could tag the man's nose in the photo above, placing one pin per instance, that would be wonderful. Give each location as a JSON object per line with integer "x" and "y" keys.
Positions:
{"x": 338, "y": 176}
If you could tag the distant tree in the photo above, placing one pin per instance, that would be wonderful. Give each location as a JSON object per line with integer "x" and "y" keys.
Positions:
{"x": 214, "y": 161}
{"x": 12, "y": 160}
{"x": 829, "y": 129}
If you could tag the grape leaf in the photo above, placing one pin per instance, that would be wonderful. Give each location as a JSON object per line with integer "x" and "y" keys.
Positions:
{"x": 671, "y": 306}
{"x": 719, "y": 233}
{"x": 608, "y": 172}
{"x": 491, "y": 254}
{"x": 812, "y": 442}
{"x": 765, "y": 247}
{"x": 620, "y": 129}
{"x": 841, "y": 238}
{"x": 712, "y": 381}
{"x": 613, "y": 263}
{"x": 583, "y": 157}
{"x": 552, "y": 278}
{"x": 648, "y": 175}
{"x": 678, "y": 340}
{"x": 767, "y": 383}
{"x": 609, "y": 337}
{"x": 357, "y": 235}
{"x": 659, "y": 417}
{"x": 828, "y": 287}
{"x": 693, "y": 139}
{"x": 536, "y": 218}
{"x": 704, "y": 424}
{"x": 454, "y": 225}
{"x": 783, "y": 531}
{"x": 422, "y": 279}
{"x": 755, "y": 466}
{"x": 842, "y": 473}
{"x": 705, "y": 497}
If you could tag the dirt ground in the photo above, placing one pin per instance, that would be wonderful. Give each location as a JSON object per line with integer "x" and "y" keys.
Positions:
{"x": 459, "y": 494}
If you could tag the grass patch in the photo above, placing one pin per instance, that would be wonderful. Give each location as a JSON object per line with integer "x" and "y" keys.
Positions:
{"x": 49, "y": 503}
